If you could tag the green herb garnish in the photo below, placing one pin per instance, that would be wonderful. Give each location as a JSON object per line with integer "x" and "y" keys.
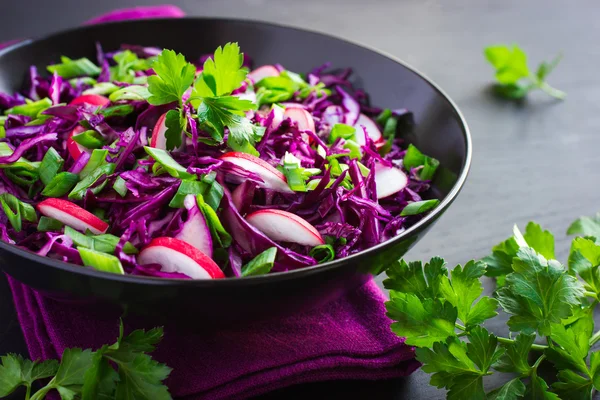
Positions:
{"x": 514, "y": 77}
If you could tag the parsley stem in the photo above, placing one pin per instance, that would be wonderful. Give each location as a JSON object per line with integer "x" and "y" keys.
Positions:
{"x": 538, "y": 362}
{"x": 459, "y": 326}
{"x": 28, "y": 392}
{"x": 539, "y": 347}
{"x": 595, "y": 338}
{"x": 558, "y": 94}
{"x": 591, "y": 294}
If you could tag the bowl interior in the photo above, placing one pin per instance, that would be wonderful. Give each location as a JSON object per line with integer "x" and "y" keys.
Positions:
{"x": 440, "y": 130}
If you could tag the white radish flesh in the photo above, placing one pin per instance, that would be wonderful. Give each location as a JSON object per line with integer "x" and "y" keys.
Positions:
{"x": 272, "y": 178}
{"x": 286, "y": 227}
{"x": 195, "y": 230}
{"x": 389, "y": 180}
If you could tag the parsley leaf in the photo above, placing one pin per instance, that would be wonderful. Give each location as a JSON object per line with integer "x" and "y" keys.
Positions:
{"x": 573, "y": 344}
{"x": 412, "y": 277}
{"x": 514, "y": 77}
{"x": 422, "y": 322}
{"x": 219, "y": 112}
{"x": 538, "y": 389}
{"x": 464, "y": 289}
{"x": 174, "y": 75}
{"x": 222, "y": 74}
{"x": 500, "y": 261}
{"x": 176, "y": 124}
{"x": 515, "y": 357}
{"x": 511, "y": 390}
{"x": 571, "y": 386}
{"x": 538, "y": 293}
{"x": 586, "y": 226}
{"x": 584, "y": 260}
{"x": 16, "y": 371}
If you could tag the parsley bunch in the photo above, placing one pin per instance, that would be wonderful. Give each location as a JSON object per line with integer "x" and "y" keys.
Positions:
{"x": 122, "y": 370}
{"x": 514, "y": 77}
{"x": 443, "y": 314}
{"x": 211, "y": 96}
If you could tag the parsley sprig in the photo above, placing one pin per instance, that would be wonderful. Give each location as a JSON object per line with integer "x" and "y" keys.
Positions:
{"x": 123, "y": 370}
{"x": 443, "y": 314}
{"x": 211, "y": 96}
{"x": 514, "y": 77}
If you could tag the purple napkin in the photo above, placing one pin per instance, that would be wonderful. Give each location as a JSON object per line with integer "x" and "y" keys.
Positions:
{"x": 346, "y": 339}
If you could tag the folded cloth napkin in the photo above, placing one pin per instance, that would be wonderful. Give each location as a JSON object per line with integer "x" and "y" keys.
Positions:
{"x": 346, "y": 339}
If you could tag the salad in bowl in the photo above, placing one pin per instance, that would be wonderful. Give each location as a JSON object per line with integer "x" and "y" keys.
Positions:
{"x": 144, "y": 163}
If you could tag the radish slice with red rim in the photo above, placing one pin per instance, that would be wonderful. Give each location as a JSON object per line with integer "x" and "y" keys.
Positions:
{"x": 371, "y": 127}
{"x": 389, "y": 180}
{"x": 302, "y": 117}
{"x": 265, "y": 71}
{"x": 159, "y": 140}
{"x": 174, "y": 255}
{"x": 90, "y": 99}
{"x": 285, "y": 227}
{"x": 74, "y": 148}
{"x": 72, "y": 215}
{"x": 272, "y": 178}
{"x": 195, "y": 230}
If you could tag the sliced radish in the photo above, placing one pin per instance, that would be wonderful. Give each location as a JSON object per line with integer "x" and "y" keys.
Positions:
{"x": 272, "y": 178}
{"x": 371, "y": 127}
{"x": 74, "y": 148}
{"x": 72, "y": 215}
{"x": 333, "y": 115}
{"x": 293, "y": 105}
{"x": 174, "y": 255}
{"x": 247, "y": 95}
{"x": 278, "y": 113}
{"x": 242, "y": 196}
{"x": 389, "y": 180}
{"x": 265, "y": 71}
{"x": 195, "y": 231}
{"x": 91, "y": 99}
{"x": 159, "y": 140}
{"x": 286, "y": 227}
{"x": 302, "y": 117}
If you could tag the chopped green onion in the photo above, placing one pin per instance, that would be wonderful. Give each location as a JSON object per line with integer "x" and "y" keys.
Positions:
{"x": 168, "y": 163}
{"x": 102, "y": 88}
{"x": 414, "y": 158}
{"x": 73, "y": 68}
{"x": 364, "y": 171}
{"x": 5, "y": 150}
{"x": 120, "y": 110}
{"x": 133, "y": 92}
{"x": 295, "y": 174}
{"x": 89, "y": 139}
{"x": 60, "y": 185}
{"x": 30, "y": 108}
{"x": 218, "y": 233}
{"x": 341, "y": 131}
{"x": 419, "y": 207}
{"x": 120, "y": 186}
{"x": 97, "y": 159}
{"x": 40, "y": 120}
{"x": 207, "y": 186}
{"x": 140, "y": 80}
{"x": 49, "y": 224}
{"x": 354, "y": 148}
{"x": 86, "y": 80}
{"x": 101, "y": 261}
{"x": 22, "y": 177}
{"x": 261, "y": 264}
{"x": 16, "y": 211}
{"x": 322, "y": 253}
{"x": 383, "y": 117}
{"x": 105, "y": 243}
{"x": 79, "y": 191}
{"x": 2, "y": 130}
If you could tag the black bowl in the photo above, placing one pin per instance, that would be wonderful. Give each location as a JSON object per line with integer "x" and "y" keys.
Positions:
{"x": 440, "y": 132}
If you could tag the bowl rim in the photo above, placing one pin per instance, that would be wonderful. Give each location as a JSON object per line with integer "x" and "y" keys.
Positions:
{"x": 276, "y": 276}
